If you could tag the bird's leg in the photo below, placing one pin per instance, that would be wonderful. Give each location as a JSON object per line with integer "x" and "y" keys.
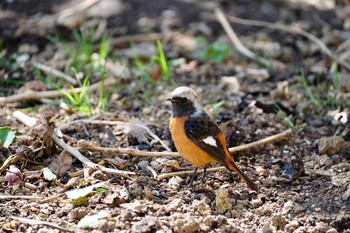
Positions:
{"x": 192, "y": 178}
{"x": 204, "y": 174}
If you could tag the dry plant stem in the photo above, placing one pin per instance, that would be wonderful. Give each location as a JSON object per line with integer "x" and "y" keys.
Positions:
{"x": 88, "y": 162}
{"x": 171, "y": 174}
{"x": 75, "y": 9}
{"x": 41, "y": 223}
{"x": 122, "y": 123}
{"x": 55, "y": 72}
{"x": 235, "y": 40}
{"x": 90, "y": 147}
{"x": 124, "y": 40}
{"x": 29, "y": 94}
{"x": 13, "y": 197}
{"x": 128, "y": 151}
{"x": 274, "y": 138}
{"x": 320, "y": 172}
{"x": 292, "y": 29}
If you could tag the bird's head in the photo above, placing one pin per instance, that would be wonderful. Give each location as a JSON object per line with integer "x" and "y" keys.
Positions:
{"x": 185, "y": 102}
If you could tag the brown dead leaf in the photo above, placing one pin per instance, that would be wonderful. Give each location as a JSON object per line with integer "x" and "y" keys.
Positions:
{"x": 157, "y": 73}
{"x": 113, "y": 200}
{"x": 118, "y": 162}
{"x": 34, "y": 85}
{"x": 61, "y": 164}
{"x": 174, "y": 164}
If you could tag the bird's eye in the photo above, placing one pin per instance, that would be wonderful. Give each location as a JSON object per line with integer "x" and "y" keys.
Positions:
{"x": 183, "y": 99}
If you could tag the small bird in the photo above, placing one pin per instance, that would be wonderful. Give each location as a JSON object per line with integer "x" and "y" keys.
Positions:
{"x": 197, "y": 136}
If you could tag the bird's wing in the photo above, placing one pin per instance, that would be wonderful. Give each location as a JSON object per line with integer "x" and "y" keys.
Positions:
{"x": 203, "y": 132}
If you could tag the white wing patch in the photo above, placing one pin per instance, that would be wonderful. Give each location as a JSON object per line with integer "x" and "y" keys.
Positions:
{"x": 210, "y": 140}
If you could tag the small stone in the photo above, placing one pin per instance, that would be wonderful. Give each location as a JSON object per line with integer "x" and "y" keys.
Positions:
{"x": 298, "y": 209}
{"x": 133, "y": 206}
{"x": 174, "y": 205}
{"x": 77, "y": 214}
{"x": 288, "y": 206}
{"x": 201, "y": 206}
{"x": 332, "y": 230}
{"x": 291, "y": 226}
{"x": 143, "y": 164}
{"x": 331, "y": 145}
{"x": 180, "y": 222}
{"x": 135, "y": 190}
{"x": 279, "y": 221}
{"x": 146, "y": 111}
{"x": 256, "y": 203}
{"x": 267, "y": 228}
{"x": 22, "y": 58}
{"x": 28, "y": 49}
{"x": 175, "y": 182}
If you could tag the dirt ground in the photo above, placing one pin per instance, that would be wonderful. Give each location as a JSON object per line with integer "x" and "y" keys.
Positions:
{"x": 303, "y": 180}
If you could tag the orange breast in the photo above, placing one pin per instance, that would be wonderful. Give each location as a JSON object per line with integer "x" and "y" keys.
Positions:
{"x": 185, "y": 146}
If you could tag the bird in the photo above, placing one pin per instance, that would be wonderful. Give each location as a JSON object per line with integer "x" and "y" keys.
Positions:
{"x": 196, "y": 135}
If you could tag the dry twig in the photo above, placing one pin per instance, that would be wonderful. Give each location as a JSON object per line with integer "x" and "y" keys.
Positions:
{"x": 274, "y": 138}
{"x": 235, "y": 40}
{"x": 41, "y": 223}
{"x": 88, "y": 162}
{"x": 14, "y": 197}
{"x": 55, "y": 72}
{"x": 85, "y": 145}
{"x": 291, "y": 29}
{"x": 135, "y": 152}
{"x": 29, "y": 94}
{"x": 171, "y": 174}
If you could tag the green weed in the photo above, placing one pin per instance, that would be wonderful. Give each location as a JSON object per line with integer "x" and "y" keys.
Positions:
{"x": 80, "y": 101}
{"x": 147, "y": 83}
{"x": 217, "y": 51}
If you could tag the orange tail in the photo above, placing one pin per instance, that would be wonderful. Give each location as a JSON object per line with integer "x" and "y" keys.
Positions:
{"x": 233, "y": 167}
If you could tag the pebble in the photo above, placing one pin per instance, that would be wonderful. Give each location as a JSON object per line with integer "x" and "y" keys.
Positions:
{"x": 331, "y": 145}
{"x": 291, "y": 226}
{"x": 279, "y": 221}
{"x": 22, "y": 58}
{"x": 256, "y": 203}
{"x": 175, "y": 205}
{"x": 288, "y": 205}
{"x": 180, "y": 222}
{"x": 267, "y": 228}
{"x": 143, "y": 164}
{"x": 135, "y": 190}
{"x": 332, "y": 230}
{"x": 201, "y": 206}
{"x": 28, "y": 49}
{"x": 298, "y": 209}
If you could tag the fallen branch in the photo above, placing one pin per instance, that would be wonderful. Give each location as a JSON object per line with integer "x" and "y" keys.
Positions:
{"x": 30, "y": 94}
{"x": 55, "y": 72}
{"x": 274, "y": 138}
{"x": 13, "y": 197}
{"x": 235, "y": 40}
{"x": 41, "y": 223}
{"x": 75, "y": 9}
{"x": 319, "y": 172}
{"x": 85, "y": 145}
{"x": 123, "y": 123}
{"x": 291, "y": 29}
{"x": 88, "y": 162}
{"x": 171, "y": 174}
{"x": 135, "y": 152}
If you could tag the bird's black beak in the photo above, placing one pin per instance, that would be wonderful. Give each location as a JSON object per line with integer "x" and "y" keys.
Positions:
{"x": 169, "y": 99}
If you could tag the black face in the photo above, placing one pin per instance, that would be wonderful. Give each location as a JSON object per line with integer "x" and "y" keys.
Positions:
{"x": 182, "y": 106}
